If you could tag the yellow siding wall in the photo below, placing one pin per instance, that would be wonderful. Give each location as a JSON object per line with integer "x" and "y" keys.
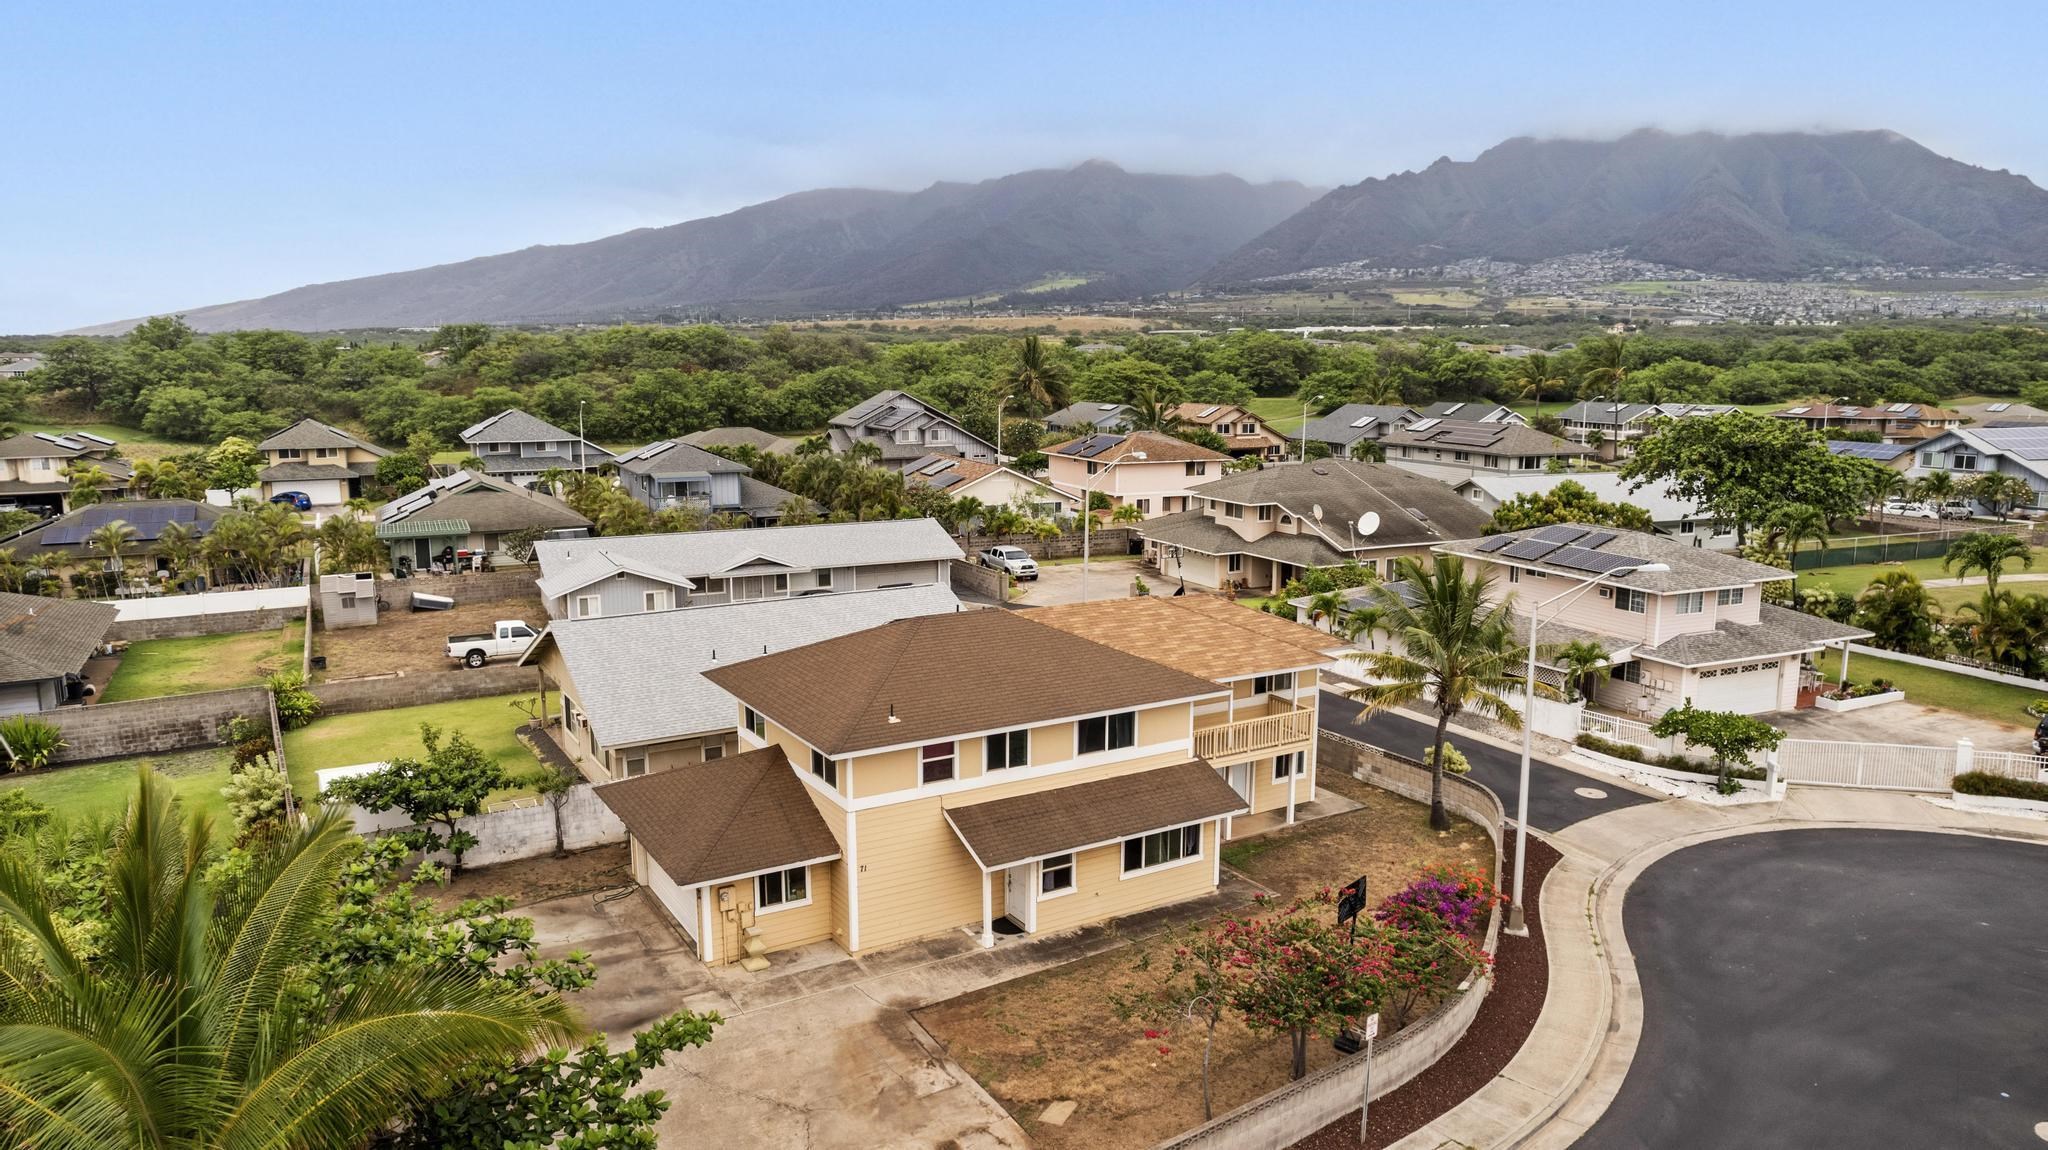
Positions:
{"x": 1051, "y": 743}
{"x": 1271, "y": 795}
{"x": 889, "y": 771}
{"x": 780, "y": 929}
{"x": 915, "y": 878}
{"x": 1163, "y": 724}
{"x": 799, "y": 752}
{"x": 1101, "y": 892}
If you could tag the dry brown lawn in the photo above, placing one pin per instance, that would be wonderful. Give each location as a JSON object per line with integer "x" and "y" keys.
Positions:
{"x": 415, "y": 641}
{"x": 1053, "y": 1035}
{"x": 538, "y": 879}
{"x": 1076, "y": 324}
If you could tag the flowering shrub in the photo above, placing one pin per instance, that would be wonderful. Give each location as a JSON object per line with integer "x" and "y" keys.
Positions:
{"x": 1457, "y": 899}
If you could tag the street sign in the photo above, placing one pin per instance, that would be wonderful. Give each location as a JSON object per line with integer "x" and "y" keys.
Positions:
{"x": 1372, "y": 1025}
{"x": 1350, "y": 901}
{"x": 1372, "y": 1031}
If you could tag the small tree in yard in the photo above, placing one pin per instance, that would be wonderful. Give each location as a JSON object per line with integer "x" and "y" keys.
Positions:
{"x": 447, "y": 784}
{"x": 1193, "y": 984}
{"x": 28, "y": 743}
{"x": 1731, "y": 737}
{"x": 556, "y": 785}
{"x": 1298, "y": 973}
{"x": 259, "y": 801}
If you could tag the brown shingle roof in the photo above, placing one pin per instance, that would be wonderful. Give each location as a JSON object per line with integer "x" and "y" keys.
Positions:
{"x": 1003, "y": 832}
{"x": 945, "y": 676}
{"x": 1157, "y": 448}
{"x": 724, "y": 819}
{"x": 1198, "y": 634}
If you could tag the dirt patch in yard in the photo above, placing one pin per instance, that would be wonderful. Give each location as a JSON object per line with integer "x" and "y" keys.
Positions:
{"x": 415, "y": 641}
{"x": 1053, "y": 1035}
{"x": 539, "y": 879}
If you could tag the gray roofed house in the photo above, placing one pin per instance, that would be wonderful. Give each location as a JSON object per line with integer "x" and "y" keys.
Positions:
{"x": 1968, "y": 452}
{"x": 674, "y": 474}
{"x": 1895, "y": 455}
{"x": 752, "y": 437}
{"x": 325, "y": 463}
{"x": 1355, "y": 421}
{"x": 519, "y": 447}
{"x": 906, "y": 429}
{"x": 637, "y": 679}
{"x": 463, "y": 518}
{"x": 2001, "y": 413}
{"x": 44, "y": 644}
{"x": 70, "y": 533}
{"x": 1681, "y": 518}
{"x": 1101, "y": 416}
{"x": 1261, "y": 528}
{"x": 1452, "y": 450}
{"x": 32, "y": 467}
{"x": 627, "y": 574}
{"x": 15, "y": 364}
{"x": 1472, "y": 411}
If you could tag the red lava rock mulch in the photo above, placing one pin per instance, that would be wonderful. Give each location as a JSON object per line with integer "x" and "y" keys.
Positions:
{"x": 1521, "y": 979}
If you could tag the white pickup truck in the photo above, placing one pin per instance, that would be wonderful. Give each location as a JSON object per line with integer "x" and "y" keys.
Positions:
{"x": 508, "y": 639}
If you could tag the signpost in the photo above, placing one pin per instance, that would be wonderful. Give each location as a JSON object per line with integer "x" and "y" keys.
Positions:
{"x": 1372, "y": 1031}
{"x": 1350, "y": 902}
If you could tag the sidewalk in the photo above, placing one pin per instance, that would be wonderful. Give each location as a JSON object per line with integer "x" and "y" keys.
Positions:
{"x": 1574, "y": 1062}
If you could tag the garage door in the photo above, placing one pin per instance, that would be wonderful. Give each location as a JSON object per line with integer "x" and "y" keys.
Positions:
{"x": 19, "y": 699}
{"x": 1747, "y": 689}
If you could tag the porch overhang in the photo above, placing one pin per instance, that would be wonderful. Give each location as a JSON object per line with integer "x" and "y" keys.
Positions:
{"x": 1003, "y": 833}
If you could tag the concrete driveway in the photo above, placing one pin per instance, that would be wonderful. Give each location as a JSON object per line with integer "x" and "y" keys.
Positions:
{"x": 1061, "y": 582}
{"x": 1902, "y": 722}
{"x": 1837, "y": 988}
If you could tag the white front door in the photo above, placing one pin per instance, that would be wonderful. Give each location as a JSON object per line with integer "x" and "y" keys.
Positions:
{"x": 1239, "y": 777}
{"x": 1020, "y": 895}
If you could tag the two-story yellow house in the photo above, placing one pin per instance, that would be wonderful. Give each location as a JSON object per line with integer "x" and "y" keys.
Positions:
{"x": 322, "y": 462}
{"x": 910, "y": 780}
{"x": 36, "y": 469}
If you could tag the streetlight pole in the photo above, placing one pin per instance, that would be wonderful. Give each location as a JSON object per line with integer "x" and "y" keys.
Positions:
{"x": 1516, "y": 925}
{"x": 1088, "y": 514}
{"x": 1304, "y": 426}
{"x": 1000, "y": 404}
{"x": 582, "y": 445}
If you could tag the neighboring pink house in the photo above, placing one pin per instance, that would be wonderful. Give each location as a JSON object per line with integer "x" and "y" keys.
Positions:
{"x": 1157, "y": 484}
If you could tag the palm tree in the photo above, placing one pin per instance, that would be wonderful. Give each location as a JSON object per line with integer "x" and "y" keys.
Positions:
{"x": 1988, "y": 552}
{"x": 108, "y": 539}
{"x": 1936, "y": 487}
{"x": 86, "y": 481}
{"x": 11, "y": 570}
{"x": 1327, "y": 606}
{"x": 1794, "y": 524}
{"x": 1369, "y": 451}
{"x": 1605, "y": 367}
{"x": 1365, "y": 619}
{"x": 1900, "y": 614}
{"x": 1150, "y": 412}
{"x": 2000, "y": 492}
{"x": 191, "y": 1025}
{"x": 177, "y": 547}
{"x": 962, "y": 513}
{"x": 1883, "y": 486}
{"x": 1126, "y": 513}
{"x": 1456, "y": 650}
{"x": 1038, "y": 379}
{"x": 1535, "y": 376}
{"x": 864, "y": 452}
{"x": 1579, "y": 659}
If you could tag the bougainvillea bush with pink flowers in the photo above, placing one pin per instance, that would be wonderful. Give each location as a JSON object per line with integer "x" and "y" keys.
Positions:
{"x": 1458, "y": 899}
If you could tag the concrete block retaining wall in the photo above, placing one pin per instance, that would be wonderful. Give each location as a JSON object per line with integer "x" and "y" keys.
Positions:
{"x": 477, "y": 588}
{"x": 152, "y": 726}
{"x": 1299, "y": 1109}
{"x": 348, "y": 696}
{"x": 521, "y": 832}
{"x": 1106, "y": 542}
{"x": 188, "y": 626}
{"x": 975, "y": 579}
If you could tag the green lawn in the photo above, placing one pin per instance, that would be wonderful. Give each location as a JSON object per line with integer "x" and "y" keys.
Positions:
{"x": 1851, "y": 580}
{"x": 135, "y": 443}
{"x": 378, "y": 736}
{"x": 1281, "y": 414}
{"x": 196, "y": 777}
{"x": 157, "y": 667}
{"x": 1979, "y": 698}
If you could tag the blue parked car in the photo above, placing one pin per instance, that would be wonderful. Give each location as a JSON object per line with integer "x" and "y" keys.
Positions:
{"x": 298, "y": 500}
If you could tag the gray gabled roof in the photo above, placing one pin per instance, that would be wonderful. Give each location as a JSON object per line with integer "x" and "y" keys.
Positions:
{"x": 692, "y": 554}
{"x": 671, "y": 457}
{"x": 1103, "y": 415}
{"x": 1343, "y": 425}
{"x": 1471, "y": 411}
{"x": 1692, "y": 568}
{"x": 1411, "y": 508}
{"x": 639, "y": 677}
{"x": 752, "y": 437}
{"x": 515, "y": 426}
{"x": 1607, "y": 414}
{"x": 309, "y": 434}
{"x": 1777, "y": 631}
{"x": 48, "y": 638}
{"x": 484, "y": 502}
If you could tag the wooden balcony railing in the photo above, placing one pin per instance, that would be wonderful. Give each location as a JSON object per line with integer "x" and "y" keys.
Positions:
{"x": 1250, "y": 736}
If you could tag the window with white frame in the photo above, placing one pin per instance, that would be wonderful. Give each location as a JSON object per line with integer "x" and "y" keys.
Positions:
{"x": 1294, "y": 763}
{"x": 1514, "y": 574}
{"x": 1197, "y": 469}
{"x": 1056, "y": 875}
{"x": 1144, "y": 507}
{"x": 782, "y": 582}
{"x": 1962, "y": 461}
{"x": 937, "y": 435}
{"x": 1284, "y": 681}
{"x": 756, "y": 723}
{"x": 1093, "y": 467}
{"x": 635, "y": 766}
{"x": 589, "y": 606}
{"x": 823, "y": 577}
{"x": 1729, "y": 596}
{"x": 1692, "y": 603}
{"x": 1234, "y": 563}
{"x": 1627, "y": 672}
{"x": 1530, "y": 463}
{"x": 712, "y": 752}
{"x": 660, "y": 600}
{"x": 1107, "y": 732}
{"x": 1006, "y": 749}
{"x": 1630, "y": 599}
{"x": 1927, "y": 459}
{"x": 1266, "y": 513}
{"x": 713, "y": 587}
{"x": 782, "y": 889}
{"x": 1685, "y": 527}
{"x": 825, "y": 768}
{"x": 938, "y": 762}
{"x": 1162, "y": 847}
{"x": 1233, "y": 511}
{"x": 906, "y": 435}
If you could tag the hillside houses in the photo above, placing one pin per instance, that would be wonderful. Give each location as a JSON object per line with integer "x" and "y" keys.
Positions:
{"x": 518, "y": 447}
{"x": 905, "y": 429}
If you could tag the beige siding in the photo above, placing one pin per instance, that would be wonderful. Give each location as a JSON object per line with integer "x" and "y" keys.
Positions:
{"x": 1051, "y": 743}
{"x": 780, "y": 929}
{"x": 916, "y": 878}
{"x": 1101, "y": 891}
{"x": 1270, "y": 794}
{"x": 799, "y": 752}
{"x": 886, "y": 772}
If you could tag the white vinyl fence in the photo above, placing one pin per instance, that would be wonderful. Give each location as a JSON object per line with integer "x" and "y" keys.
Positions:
{"x": 1835, "y": 763}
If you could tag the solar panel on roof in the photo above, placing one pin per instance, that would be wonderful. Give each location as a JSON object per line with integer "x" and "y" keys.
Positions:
{"x": 1207, "y": 412}
{"x": 1999, "y": 407}
{"x": 1797, "y": 410}
{"x": 1597, "y": 539}
{"x": 1452, "y": 408}
{"x": 1591, "y": 562}
{"x": 1560, "y": 532}
{"x": 104, "y": 442}
{"x": 1363, "y": 420}
{"x": 944, "y": 481}
{"x": 935, "y": 466}
{"x": 1495, "y": 543}
{"x": 1423, "y": 424}
{"x": 1900, "y": 407}
{"x": 1531, "y": 549}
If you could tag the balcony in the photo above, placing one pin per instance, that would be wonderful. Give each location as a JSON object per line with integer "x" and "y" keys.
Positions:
{"x": 1252, "y": 736}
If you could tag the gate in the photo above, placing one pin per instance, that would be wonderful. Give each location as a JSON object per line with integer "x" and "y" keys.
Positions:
{"x": 1876, "y": 766}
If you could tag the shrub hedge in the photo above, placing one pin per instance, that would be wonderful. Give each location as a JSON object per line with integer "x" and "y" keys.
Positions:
{"x": 1635, "y": 754}
{"x": 1999, "y": 786}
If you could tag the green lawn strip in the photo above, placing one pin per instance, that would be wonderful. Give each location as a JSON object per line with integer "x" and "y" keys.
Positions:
{"x": 1980, "y": 698}
{"x": 157, "y": 667}
{"x": 1283, "y": 415}
{"x": 196, "y": 777}
{"x": 378, "y": 736}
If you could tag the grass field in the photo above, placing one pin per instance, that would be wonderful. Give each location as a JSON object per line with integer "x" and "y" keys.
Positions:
{"x": 1064, "y": 324}
{"x": 379, "y": 736}
{"x": 103, "y": 789}
{"x": 135, "y": 443}
{"x": 1979, "y": 698}
{"x": 1280, "y": 413}
{"x": 1435, "y": 297}
{"x": 157, "y": 667}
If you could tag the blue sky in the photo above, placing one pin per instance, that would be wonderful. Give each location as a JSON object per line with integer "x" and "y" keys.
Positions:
{"x": 193, "y": 154}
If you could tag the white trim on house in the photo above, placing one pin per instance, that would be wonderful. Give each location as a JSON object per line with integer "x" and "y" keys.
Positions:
{"x": 976, "y": 734}
{"x": 1201, "y": 851}
{"x": 712, "y": 882}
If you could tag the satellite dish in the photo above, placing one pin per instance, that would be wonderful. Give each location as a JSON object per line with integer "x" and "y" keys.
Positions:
{"x": 1368, "y": 523}
{"x": 1317, "y": 511}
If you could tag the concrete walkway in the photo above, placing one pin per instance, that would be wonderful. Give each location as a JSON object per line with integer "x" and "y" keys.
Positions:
{"x": 1575, "y": 1060}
